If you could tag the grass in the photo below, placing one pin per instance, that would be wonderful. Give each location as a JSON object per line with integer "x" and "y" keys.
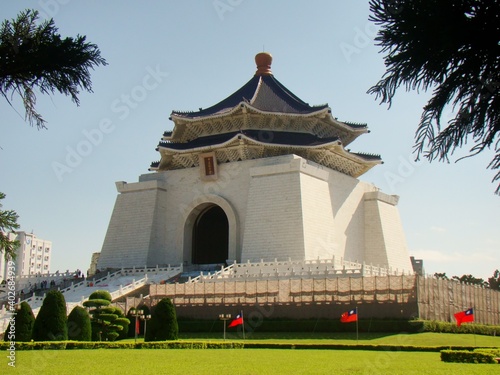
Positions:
{"x": 414, "y": 339}
{"x": 237, "y": 361}
{"x": 262, "y": 361}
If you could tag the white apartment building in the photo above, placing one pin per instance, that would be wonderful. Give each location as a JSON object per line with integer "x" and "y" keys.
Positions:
{"x": 33, "y": 255}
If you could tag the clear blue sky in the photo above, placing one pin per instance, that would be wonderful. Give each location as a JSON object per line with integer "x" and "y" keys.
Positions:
{"x": 182, "y": 55}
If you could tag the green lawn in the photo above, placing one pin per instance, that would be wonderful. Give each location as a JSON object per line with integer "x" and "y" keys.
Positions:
{"x": 413, "y": 339}
{"x": 237, "y": 361}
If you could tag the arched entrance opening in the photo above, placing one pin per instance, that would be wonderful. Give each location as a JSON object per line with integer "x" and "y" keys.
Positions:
{"x": 210, "y": 236}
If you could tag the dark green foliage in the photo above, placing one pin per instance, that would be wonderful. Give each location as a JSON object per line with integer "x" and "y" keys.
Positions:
{"x": 8, "y": 222}
{"x": 100, "y": 295}
{"x": 79, "y": 327}
{"x": 51, "y": 321}
{"x": 494, "y": 281}
{"x": 465, "y": 356}
{"x": 441, "y": 275}
{"x": 264, "y": 344}
{"x": 124, "y": 323}
{"x": 142, "y": 323}
{"x": 120, "y": 321}
{"x": 334, "y": 325}
{"x": 96, "y": 303}
{"x": 131, "y": 327}
{"x": 107, "y": 321}
{"x": 23, "y": 326}
{"x": 469, "y": 279}
{"x": 34, "y": 56}
{"x": 450, "y": 47}
{"x": 163, "y": 323}
{"x": 446, "y": 327}
{"x": 307, "y": 325}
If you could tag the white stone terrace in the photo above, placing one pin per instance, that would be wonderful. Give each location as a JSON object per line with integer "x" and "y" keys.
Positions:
{"x": 319, "y": 268}
{"x": 118, "y": 284}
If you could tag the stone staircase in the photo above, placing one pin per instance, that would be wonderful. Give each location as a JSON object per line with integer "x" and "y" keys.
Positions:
{"x": 118, "y": 284}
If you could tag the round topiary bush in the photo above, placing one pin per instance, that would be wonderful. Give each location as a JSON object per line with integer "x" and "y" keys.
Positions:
{"x": 101, "y": 294}
{"x": 51, "y": 321}
{"x": 79, "y": 328}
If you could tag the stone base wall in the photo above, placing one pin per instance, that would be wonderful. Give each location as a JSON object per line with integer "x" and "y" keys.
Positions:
{"x": 278, "y": 207}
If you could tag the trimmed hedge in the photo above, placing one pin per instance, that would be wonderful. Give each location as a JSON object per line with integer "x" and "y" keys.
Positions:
{"x": 68, "y": 345}
{"x": 334, "y": 325}
{"x": 307, "y": 325}
{"x": 445, "y": 327}
{"x": 465, "y": 356}
{"x": 495, "y": 352}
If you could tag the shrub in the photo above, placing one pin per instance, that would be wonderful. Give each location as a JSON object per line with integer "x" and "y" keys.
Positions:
{"x": 101, "y": 294}
{"x": 131, "y": 327}
{"x": 141, "y": 322}
{"x": 163, "y": 325}
{"x": 124, "y": 323}
{"x": 494, "y": 352}
{"x": 309, "y": 325}
{"x": 79, "y": 327}
{"x": 446, "y": 327}
{"x": 465, "y": 356}
{"x": 24, "y": 324}
{"x": 51, "y": 321}
{"x": 107, "y": 321}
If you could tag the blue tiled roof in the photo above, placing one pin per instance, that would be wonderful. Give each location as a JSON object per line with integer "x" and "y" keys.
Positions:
{"x": 269, "y": 137}
{"x": 265, "y": 93}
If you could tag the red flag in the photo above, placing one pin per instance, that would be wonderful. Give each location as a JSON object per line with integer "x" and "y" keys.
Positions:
{"x": 349, "y": 316}
{"x": 137, "y": 328}
{"x": 237, "y": 321}
{"x": 464, "y": 316}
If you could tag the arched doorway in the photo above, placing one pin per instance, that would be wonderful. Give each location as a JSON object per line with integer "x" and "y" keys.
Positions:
{"x": 210, "y": 236}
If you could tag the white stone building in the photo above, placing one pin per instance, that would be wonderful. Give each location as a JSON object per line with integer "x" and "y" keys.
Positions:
{"x": 259, "y": 175}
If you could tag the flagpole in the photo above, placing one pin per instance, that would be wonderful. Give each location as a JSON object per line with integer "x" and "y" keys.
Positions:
{"x": 243, "y": 324}
{"x": 357, "y": 331}
{"x": 473, "y": 326}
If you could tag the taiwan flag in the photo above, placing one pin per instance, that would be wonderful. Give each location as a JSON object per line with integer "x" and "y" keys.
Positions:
{"x": 349, "y": 316}
{"x": 237, "y": 321}
{"x": 464, "y": 316}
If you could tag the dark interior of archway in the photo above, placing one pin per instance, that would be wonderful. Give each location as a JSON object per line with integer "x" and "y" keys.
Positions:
{"x": 210, "y": 237}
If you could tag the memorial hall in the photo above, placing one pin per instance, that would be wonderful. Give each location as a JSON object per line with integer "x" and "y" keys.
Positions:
{"x": 261, "y": 175}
